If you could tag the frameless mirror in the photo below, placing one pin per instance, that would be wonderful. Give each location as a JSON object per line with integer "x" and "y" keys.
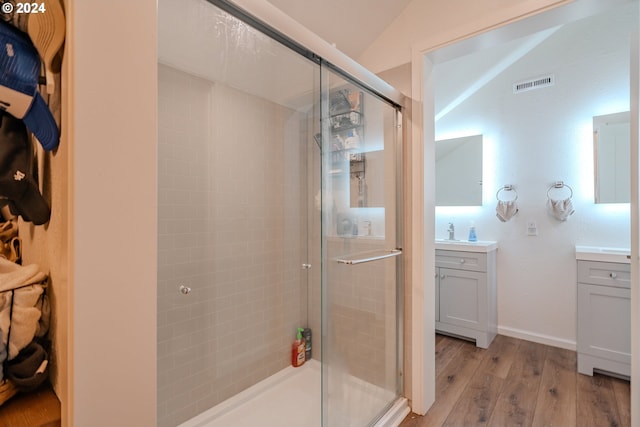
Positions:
{"x": 459, "y": 171}
{"x": 611, "y": 148}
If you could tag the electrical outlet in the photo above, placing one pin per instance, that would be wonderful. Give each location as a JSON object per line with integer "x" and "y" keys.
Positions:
{"x": 532, "y": 228}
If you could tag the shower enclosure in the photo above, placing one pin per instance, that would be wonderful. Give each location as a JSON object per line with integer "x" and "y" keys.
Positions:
{"x": 278, "y": 209}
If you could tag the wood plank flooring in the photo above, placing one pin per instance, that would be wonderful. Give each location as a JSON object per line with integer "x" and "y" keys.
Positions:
{"x": 519, "y": 383}
{"x": 39, "y": 408}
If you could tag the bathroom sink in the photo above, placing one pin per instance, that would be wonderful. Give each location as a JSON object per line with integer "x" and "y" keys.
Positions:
{"x": 597, "y": 253}
{"x": 466, "y": 246}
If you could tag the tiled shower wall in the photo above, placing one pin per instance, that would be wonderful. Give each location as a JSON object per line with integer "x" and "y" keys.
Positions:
{"x": 362, "y": 314}
{"x": 232, "y": 227}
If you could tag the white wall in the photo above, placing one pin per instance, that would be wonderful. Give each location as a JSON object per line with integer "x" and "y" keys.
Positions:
{"x": 112, "y": 66}
{"x": 531, "y": 140}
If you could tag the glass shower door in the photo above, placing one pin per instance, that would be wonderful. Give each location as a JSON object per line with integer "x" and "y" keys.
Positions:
{"x": 361, "y": 254}
{"x": 237, "y": 114}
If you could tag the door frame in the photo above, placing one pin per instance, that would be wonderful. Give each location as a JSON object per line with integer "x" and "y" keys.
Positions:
{"x": 422, "y": 172}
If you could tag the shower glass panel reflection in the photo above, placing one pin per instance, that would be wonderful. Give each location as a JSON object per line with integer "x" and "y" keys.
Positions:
{"x": 248, "y": 210}
{"x": 361, "y": 241}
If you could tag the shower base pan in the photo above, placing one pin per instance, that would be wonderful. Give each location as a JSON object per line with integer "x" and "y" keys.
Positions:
{"x": 292, "y": 397}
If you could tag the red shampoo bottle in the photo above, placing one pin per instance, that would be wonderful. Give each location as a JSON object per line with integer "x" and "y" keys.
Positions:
{"x": 298, "y": 350}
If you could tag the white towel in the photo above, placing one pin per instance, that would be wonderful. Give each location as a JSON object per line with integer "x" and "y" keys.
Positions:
{"x": 505, "y": 210}
{"x": 25, "y": 317}
{"x": 27, "y": 283}
{"x": 13, "y": 275}
{"x": 560, "y": 209}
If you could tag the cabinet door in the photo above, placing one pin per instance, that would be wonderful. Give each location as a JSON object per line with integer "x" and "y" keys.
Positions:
{"x": 604, "y": 322}
{"x": 463, "y": 298}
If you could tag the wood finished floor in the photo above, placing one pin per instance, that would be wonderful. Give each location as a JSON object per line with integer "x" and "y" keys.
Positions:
{"x": 519, "y": 383}
{"x": 39, "y": 408}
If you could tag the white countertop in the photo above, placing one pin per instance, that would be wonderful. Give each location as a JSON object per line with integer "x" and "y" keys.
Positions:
{"x": 466, "y": 246}
{"x": 596, "y": 253}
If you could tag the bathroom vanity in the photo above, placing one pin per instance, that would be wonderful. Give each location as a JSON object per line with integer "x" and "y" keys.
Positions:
{"x": 466, "y": 290}
{"x": 604, "y": 310}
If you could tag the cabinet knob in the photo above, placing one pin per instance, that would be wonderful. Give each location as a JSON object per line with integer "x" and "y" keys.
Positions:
{"x": 462, "y": 260}
{"x": 613, "y": 275}
{"x": 184, "y": 290}
{"x": 442, "y": 276}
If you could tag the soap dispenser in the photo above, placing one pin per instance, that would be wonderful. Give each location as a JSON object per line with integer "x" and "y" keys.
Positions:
{"x": 472, "y": 233}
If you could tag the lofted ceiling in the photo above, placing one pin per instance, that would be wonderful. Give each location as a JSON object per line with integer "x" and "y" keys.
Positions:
{"x": 352, "y": 25}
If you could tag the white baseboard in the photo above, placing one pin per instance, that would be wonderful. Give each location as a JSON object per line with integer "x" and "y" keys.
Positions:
{"x": 538, "y": 338}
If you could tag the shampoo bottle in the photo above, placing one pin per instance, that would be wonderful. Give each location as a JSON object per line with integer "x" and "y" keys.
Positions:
{"x": 306, "y": 335}
{"x": 298, "y": 350}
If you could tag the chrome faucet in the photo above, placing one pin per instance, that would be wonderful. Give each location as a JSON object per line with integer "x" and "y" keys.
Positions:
{"x": 452, "y": 231}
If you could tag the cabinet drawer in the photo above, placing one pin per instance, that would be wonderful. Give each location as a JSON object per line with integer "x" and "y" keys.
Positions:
{"x": 604, "y": 273}
{"x": 472, "y": 261}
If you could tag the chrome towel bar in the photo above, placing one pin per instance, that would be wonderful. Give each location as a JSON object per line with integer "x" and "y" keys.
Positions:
{"x": 372, "y": 257}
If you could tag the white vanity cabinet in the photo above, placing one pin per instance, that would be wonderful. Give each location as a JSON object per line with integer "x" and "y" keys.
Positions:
{"x": 604, "y": 317}
{"x": 466, "y": 293}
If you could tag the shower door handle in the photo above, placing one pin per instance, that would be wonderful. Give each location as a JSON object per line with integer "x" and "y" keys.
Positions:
{"x": 371, "y": 257}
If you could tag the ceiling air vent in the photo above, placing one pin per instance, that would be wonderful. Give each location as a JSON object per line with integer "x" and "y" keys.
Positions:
{"x": 537, "y": 83}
